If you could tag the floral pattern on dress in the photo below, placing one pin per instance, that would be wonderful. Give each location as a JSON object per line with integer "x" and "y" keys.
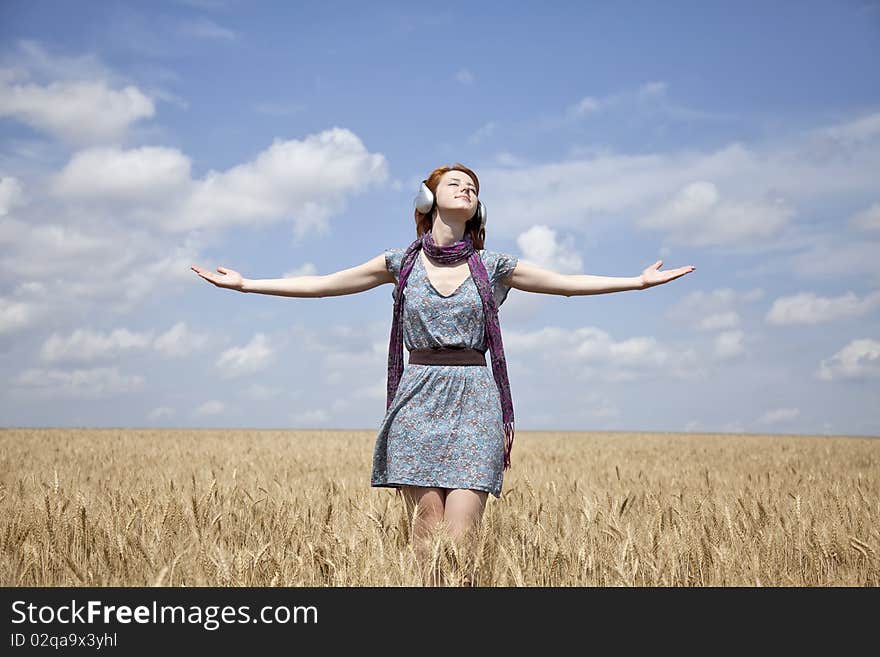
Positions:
{"x": 444, "y": 426}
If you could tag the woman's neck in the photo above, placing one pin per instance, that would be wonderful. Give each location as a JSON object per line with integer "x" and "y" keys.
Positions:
{"x": 446, "y": 233}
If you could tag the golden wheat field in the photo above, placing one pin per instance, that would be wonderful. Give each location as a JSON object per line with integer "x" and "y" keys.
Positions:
{"x": 141, "y": 507}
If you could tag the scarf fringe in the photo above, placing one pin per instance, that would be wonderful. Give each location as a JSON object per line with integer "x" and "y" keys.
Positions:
{"x": 508, "y": 443}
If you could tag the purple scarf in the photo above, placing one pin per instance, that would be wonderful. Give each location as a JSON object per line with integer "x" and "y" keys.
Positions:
{"x": 451, "y": 254}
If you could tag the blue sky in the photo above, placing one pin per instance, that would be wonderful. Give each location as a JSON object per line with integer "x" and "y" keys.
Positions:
{"x": 279, "y": 139}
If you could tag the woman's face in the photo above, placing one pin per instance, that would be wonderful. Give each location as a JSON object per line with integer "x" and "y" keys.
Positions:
{"x": 457, "y": 191}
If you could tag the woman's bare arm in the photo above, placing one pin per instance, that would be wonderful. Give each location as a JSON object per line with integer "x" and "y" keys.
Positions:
{"x": 347, "y": 281}
{"x": 531, "y": 278}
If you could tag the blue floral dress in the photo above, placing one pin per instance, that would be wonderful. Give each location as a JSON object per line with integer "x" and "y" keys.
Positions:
{"x": 444, "y": 426}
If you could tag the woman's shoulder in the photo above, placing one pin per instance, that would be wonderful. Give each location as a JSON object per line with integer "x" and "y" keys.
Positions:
{"x": 394, "y": 252}
{"x": 490, "y": 252}
{"x": 394, "y": 258}
{"x": 492, "y": 256}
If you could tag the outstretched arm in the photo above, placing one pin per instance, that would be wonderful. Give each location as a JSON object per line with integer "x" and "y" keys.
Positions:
{"x": 530, "y": 278}
{"x": 347, "y": 281}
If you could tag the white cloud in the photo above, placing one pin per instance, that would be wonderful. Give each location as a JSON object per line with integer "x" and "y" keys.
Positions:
{"x": 179, "y": 341}
{"x": 135, "y": 176}
{"x": 161, "y": 413}
{"x": 830, "y": 256}
{"x": 840, "y": 145}
{"x": 729, "y": 344}
{"x": 261, "y": 392}
{"x": 581, "y": 407}
{"x": 712, "y": 310}
{"x": 240, "y": 361}
{"x": 589, "y": 353}
{"x": 17, "y": 315}
{"x": 778, "y": 415}
{"x": 590, "y": 105}
{"x": 307, "y": 269}
{"x": 86, "y": 345}
{"x": 209, "y": 408}
{"x": 77, "y": 112}
{"x": 464, "y": 76}
{"x": 11, "y": 194}
{"x": 649, "y": 101}
{"x": 348, "y": 355}
{"x": 809, "y": 308}
{"x": 82, "y": 254}
{"x": 345, "y": 340}
{"x": 46, "y": 249}
{"x": 307, "y": 180}
{"x": 867, "y": 219}
{"x": 31, "y": 59}
{"x": 606, "y": 410}
{"x": 483, "y": 132}
{"x": 697, "y": 216}
{"x": 865, "y": 128}
{"x": 652, "y": 89}
{"x": 587, "y": 105}
{"x": 858, "y": 360}
{"x": 313, "y": 418}
{"x": 719, "y": 321}
{"x": 204, "y": 28}
{"x": 81, "y": 266}
{"x": 741, "y": 196}
{"x": 165, "y": 272}
{"x": 507, "y": 159}
{"x": 540, "y": 245}
{"x": 348, "y": 352}
{"x": 369, "y": 392}
{"x": 94, "y": 383}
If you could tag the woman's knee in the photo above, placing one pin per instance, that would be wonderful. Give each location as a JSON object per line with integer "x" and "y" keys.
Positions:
{"x": 425, "y": 504}
{"x": 463, "y": 509}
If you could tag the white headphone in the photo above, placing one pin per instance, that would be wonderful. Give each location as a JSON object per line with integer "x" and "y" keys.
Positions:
{"x": 424, "y": 201}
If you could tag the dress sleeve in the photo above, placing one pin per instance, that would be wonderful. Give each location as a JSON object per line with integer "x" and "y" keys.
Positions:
{"x": 505, "y": 263}
{"x": 393, "y": 258}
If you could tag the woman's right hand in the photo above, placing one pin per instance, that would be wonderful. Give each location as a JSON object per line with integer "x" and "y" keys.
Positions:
{"x": 228, "y": 278}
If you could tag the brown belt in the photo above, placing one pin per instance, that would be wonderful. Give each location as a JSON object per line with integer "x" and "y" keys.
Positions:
{"x": 447, "y": 356}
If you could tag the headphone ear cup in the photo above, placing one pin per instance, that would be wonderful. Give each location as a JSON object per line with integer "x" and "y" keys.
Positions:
{"x": 424, "y": 200}
{"x": 481, "y": 213}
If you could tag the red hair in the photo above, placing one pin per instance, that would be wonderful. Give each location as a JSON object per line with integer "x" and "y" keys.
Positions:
{"x": 424, "y": 222}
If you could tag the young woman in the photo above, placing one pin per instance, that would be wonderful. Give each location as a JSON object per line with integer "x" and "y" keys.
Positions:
{"x": 447, "y": 434}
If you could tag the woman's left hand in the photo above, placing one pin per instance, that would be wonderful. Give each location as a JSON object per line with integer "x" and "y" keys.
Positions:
{"x": 652, "y": 275}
